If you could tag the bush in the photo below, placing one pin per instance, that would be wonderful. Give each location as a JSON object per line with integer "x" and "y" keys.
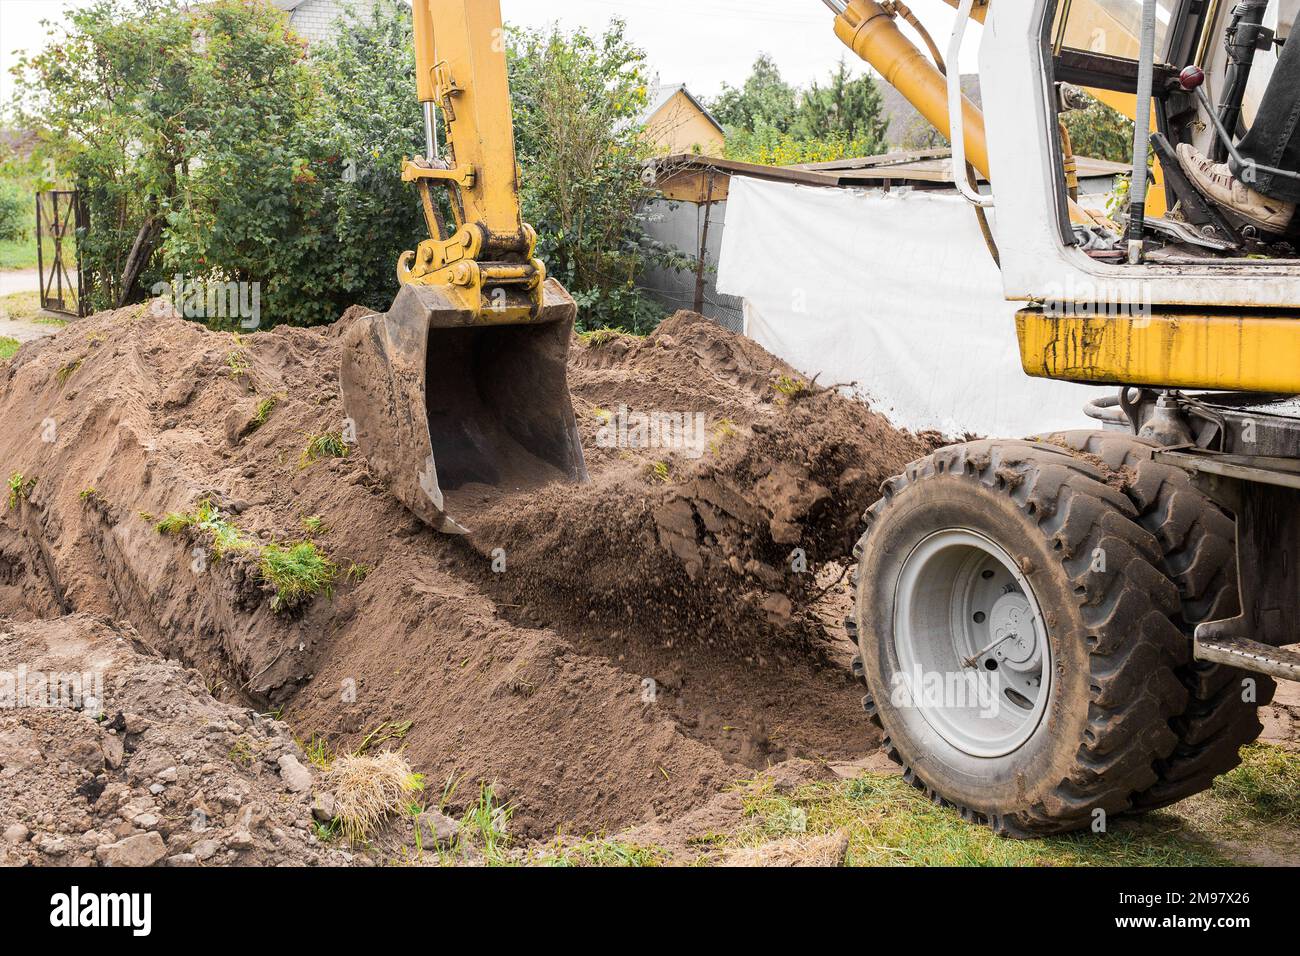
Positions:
{"x": 1100, "y": 132}
{"x": 15, "y": 212}
{"x": 771, "y": 123}
{"x": 768, "y": 147}
{"x": 208, "y": 145}
{"x": 577, "y": 104}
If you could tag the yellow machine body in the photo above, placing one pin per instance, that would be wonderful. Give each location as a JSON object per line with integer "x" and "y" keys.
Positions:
{"x": 1220, "y": 352}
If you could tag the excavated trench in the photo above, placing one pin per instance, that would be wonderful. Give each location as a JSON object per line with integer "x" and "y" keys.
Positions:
{"x": 605, "y": 654}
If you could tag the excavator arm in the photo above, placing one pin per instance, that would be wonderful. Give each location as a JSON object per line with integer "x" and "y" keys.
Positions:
{"x": 459, "y": 392}
{"x": 870, "y": 29}
{"x": 460, "y": 69}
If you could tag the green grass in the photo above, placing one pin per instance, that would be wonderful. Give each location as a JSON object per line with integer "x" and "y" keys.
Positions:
{"x": 67, "y": 371}
{"x": 318, "y": 753}
{"x": 388, "y": 730}
{"x": 485, "y": 825}
{"x": 791, "y": 388}
{"x": 241, "y": 752}
{"x": 18, "y": 254}
{"x": 1264, "y": 789}
{"x": 601, "y": 853}
{"x": 297, "y": 572}
{"x": 723, "y": 432}
{"x": 206, "y": 519}
{"x": 263, "y": 412}
{"x": 603, "y": 336}
{"x": 324, "y": 445}
{"x": 8, "y": 347}
{"x": 238, "y": 364}
{"x": 314, "y": 525}
{"x": 327, "y": 832}
{"x": 20, "y": 489}
{"x": 891, "y": 824}
{"x": 174, "y": 523}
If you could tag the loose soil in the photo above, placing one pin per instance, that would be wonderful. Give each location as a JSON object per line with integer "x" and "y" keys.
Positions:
{"x": 654, "y": 635}
{"x": 168, "y": 774}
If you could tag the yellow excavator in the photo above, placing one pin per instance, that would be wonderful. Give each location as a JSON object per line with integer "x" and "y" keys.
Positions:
{"x": 460, "y": 391}
{"x": 1053, "y": 630}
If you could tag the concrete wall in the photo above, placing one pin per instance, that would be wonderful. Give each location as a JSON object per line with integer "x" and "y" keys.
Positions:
{"x": 680, "y": 224}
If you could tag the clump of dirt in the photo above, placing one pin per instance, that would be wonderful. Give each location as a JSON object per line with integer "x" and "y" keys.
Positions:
{"x": 111, "y": 755}
{"x": 650, "y": 637}
{"x": 700, "y": 542}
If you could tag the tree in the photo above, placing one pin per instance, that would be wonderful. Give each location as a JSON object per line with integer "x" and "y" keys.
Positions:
{"x": 771, "y": 123}
{"x": 846, "y": 107}
{"x": 921, "y": 135}
{"x": 764, "y": 101}
{"x": 578, "y": 100}
{"x": 372, "y": 120}
{"x": 1100, "y": 132}
{"x": 155, "y": 111}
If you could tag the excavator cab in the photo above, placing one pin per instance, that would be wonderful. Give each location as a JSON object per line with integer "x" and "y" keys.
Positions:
{"x": 1209, "y": 66}
{"x": 459, "y": 393}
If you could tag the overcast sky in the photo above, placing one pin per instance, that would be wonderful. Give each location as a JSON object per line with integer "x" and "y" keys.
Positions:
{"x": 702, "y": 43}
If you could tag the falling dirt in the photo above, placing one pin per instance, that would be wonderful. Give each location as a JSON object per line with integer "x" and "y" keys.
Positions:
{"x": 607, "y": 654}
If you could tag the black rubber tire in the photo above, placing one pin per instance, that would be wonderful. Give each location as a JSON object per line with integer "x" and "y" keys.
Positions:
{"x": 1198, "y": 539}
{"x": 1114, "y": 646}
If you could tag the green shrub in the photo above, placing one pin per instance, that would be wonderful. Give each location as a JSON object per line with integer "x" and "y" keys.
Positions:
{"x": 578, "y": 99}
{"x": 16, "y": 212}
{"x": 156, "y": 107}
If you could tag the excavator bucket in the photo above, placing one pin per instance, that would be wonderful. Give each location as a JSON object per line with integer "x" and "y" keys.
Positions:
{"x": 455, "y": 412}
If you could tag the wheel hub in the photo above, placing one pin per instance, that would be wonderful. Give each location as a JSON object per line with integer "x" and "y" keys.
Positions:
{"x": 1012, "y": 624}
{"x": 971, "y": 643}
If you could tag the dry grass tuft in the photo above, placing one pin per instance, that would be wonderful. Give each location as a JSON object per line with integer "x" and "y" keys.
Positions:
{"x": 367, "y": 789}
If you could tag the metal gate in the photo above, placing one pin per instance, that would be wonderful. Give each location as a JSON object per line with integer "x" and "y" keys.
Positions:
{"x": 59, "y": 214}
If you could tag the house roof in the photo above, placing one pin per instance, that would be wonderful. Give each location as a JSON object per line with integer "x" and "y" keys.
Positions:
{"x": 658, "y": 96}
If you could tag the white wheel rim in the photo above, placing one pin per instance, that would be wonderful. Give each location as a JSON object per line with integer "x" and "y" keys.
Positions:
{"x": 971, "y": 644}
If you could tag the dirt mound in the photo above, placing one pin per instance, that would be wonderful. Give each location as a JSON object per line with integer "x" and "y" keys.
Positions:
{"x": 648, "y": 638}
{"x": 110, "y": 754}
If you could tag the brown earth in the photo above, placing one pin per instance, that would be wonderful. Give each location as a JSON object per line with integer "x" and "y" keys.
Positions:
{"x": 654, "y": 634}
{"x": 168, "y": 774}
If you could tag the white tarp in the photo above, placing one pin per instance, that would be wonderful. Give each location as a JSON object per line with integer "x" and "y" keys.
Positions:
{"x": 893, "y": 292}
